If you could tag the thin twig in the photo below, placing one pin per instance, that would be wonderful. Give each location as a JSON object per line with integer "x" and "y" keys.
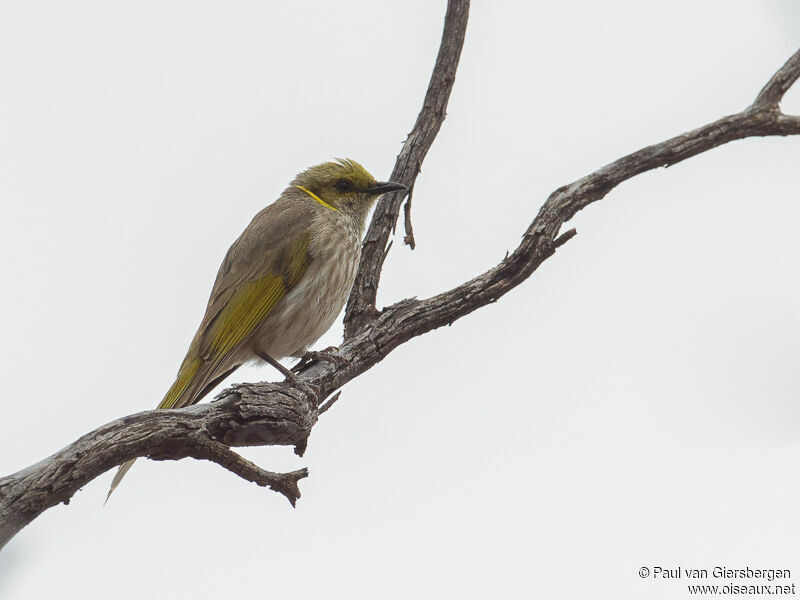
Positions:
{"x": 408, "y": 239}
{"x": 330, "y": 402}
{"x": 388, "y": 247}
{"x": 775, "y": 89}
{"x": 283, "y": 483}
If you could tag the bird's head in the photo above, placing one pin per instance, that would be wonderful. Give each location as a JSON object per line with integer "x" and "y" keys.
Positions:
{"x": 344, "y": 185}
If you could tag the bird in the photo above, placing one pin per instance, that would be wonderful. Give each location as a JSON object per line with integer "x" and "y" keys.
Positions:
{"x": 283, "y": 281}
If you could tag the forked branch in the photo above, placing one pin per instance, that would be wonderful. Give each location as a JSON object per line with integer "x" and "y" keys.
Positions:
{"x": 361, "y": 305}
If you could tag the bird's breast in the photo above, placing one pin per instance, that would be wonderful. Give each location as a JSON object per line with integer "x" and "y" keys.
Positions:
{"x": 310, "y": 308}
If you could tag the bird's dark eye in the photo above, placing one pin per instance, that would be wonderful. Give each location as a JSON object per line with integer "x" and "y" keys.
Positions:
{"x": 344, "y": 185}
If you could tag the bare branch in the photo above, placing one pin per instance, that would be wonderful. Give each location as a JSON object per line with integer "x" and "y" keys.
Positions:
{"x": 361, "y": 305}
{"x": 772, "y": 93}
{"x": 248, "y": 415}
{"x": 540, "y": 240}
{"x": 283, "y": 483}
{"x": 409, "y": 318}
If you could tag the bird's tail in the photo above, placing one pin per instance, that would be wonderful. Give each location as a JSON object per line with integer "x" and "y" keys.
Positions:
{"x": 123, "y": 468}
{"x": 195, "y": 380}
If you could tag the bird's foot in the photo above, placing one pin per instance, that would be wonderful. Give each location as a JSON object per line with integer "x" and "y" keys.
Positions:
{"x": 312, "y": 356}
{"x": 284, "y": 371}
{"x": 290, "y": 376}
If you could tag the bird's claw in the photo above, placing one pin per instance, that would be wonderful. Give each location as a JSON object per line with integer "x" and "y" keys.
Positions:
{"x": 312, "y": 356}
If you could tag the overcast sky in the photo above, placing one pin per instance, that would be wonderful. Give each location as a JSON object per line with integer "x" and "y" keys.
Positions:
{"x": 635, "y": 403}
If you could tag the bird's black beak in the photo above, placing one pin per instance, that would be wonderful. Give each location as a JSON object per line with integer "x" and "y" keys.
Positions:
{"x": 383, "y": 187}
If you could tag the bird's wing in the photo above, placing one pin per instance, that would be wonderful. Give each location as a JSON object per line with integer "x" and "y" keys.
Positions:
{"x": 267, "y": 261}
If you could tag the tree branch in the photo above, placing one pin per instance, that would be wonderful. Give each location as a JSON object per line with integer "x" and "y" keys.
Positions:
{"x": 772, "y": 93}
{"x": 284, "y": 414}
{"x": 247, "y": 415}
{"x": 540, "y": 241}
{"x": 283, "y": 483}
{"x": 361, "y": 305}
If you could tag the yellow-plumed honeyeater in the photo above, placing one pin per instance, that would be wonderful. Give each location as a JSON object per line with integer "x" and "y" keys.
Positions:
{"x": 283, "y": 282}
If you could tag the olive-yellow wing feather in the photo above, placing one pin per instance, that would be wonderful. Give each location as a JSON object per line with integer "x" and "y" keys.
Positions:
{"x": 265, "y": 263}
{"x": 261, "y": 266}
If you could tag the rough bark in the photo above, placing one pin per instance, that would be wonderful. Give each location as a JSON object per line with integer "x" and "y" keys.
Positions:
{"x": 361, "y": 305}
{"x": 284, "y": 413}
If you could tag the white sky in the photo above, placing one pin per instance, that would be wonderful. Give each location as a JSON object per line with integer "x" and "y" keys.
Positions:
{"x": 635, "y": 403}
